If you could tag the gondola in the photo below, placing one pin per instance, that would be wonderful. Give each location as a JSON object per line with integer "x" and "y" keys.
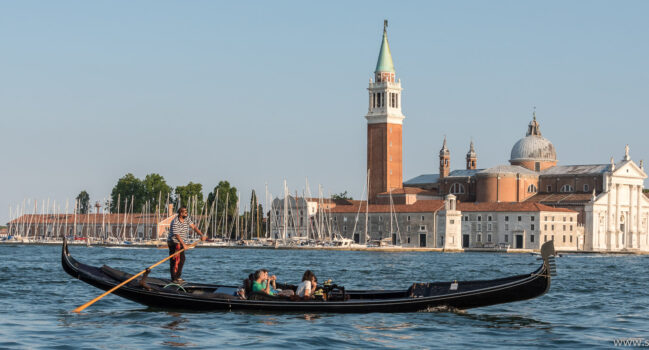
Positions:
{"x": 161, "y": 293}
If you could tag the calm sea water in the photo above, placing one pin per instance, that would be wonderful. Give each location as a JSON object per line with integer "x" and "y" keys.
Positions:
{"x": 593, "y": 300}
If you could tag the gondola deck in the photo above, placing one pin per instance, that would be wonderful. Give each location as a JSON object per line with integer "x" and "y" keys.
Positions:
{"x": 162, "y": 293}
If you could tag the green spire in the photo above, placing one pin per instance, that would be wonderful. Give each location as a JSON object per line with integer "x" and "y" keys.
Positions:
{"x": 384, "y": 64}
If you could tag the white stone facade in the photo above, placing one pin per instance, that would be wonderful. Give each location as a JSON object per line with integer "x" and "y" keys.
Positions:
{"x": 294, "y": 218}
{"x": 520, "y": 229}
{"x": 617, "y": 219}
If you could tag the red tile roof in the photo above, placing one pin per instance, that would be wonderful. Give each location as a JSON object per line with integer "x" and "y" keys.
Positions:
{"x": 409, "y": 190}
{"x": 421, "y": 206}
{"x": 510, "y": 206}
{"x": 90, "y": 218}
{"x": 559, "y": 198}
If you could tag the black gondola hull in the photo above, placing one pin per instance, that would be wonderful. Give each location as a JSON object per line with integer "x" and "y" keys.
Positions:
{"x": 472, "y": 294}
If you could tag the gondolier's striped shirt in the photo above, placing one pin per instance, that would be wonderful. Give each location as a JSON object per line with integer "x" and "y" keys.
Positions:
{"x": 179, "y": 228}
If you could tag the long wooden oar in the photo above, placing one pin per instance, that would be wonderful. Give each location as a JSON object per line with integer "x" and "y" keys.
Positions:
{"x": 82, "y": 307}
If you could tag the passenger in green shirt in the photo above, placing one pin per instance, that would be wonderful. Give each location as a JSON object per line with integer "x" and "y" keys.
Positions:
{"x": 262, "y": 282}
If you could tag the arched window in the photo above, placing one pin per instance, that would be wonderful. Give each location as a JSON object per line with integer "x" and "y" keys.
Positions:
{"x": 566, "y": 188}
{"x": 456, "y": 189}
{"x": 532, "y": 189}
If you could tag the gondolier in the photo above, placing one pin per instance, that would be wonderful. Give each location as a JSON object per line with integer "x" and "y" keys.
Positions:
{"x": 178, "y": 234}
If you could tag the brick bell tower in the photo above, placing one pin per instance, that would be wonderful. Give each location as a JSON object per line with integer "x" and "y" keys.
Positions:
{"x": 384, "y": 120}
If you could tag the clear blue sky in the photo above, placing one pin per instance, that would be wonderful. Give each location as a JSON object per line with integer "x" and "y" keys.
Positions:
{"x": 259, "y": 92}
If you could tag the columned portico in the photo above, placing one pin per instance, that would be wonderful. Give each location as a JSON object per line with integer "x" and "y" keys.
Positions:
{"x": 617, "y": 219}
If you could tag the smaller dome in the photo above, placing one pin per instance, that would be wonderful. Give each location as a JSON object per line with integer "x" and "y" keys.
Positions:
{"x": 533, "y": 147}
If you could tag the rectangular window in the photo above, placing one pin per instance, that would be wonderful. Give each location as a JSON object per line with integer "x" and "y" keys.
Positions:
{"x": 570, "y": 239}
{"x": 479, "y": 238}
{"x": 422, "y": 218}
{"x": 488, "y": 227}
{"x": 466, "y": 218}
{"x": 506, "y": 238}
{"x": 552, "y": 227}
{"x": 549, "y": 188}
{"x": 488, "y": 238}
{"x": 344, "y": 227}
{"x": 586, "y": 188}
{"x": 531, "y": 238}
{"x": 452, "y": 222}
{"x": 408, "y": 228}
{"x": 520, "y": 218}
{"x": 422, "y": 228}
{"x": 479, "y": 217}
{"x": 408, "y": 218}
{"x": 380, "y": 218}
{"x": 489, "y": 218}
{"x": 532, "y": 227}
{"x": 564, "y": 238}
{"x": 570, "y": 227}
{"x": 553, "y": 237}
{"x": 506, "y": 227}
{"x": 545, "y": 238}
{"x": 345, "y": 219}
{"x": 479, "y": 227}
{"x": 564, "y": 219}
{"x": 564, "y": 227}
{"x": 532, "y": 218}
{"x": 506, "y": 218}
{"x": 545, "y": 227}
{"x": 571, "y": 219}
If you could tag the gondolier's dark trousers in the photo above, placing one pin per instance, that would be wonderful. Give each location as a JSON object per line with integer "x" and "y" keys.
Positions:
{"x": 176, "y": 263}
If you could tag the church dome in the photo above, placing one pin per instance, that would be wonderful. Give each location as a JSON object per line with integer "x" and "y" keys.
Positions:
{"x": 533, "y": 147}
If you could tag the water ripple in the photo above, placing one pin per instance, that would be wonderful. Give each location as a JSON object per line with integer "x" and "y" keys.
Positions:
{"x": 593, "y": 300}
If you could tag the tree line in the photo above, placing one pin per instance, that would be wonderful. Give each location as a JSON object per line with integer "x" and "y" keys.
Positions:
{"x": 152, "y": 195}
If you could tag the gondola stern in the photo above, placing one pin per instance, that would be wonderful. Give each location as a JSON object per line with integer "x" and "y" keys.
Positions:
{"x": 548, "y": 254}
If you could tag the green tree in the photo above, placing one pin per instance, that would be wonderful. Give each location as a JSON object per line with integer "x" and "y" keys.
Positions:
{"x": 226, "y": 192}
{"x": 83, "y": 201}
{"x": 192, "y": 194}
{"x": 128, "y": 191}
{"x": 341, "y": 195}
{"x": 156, "y": 189}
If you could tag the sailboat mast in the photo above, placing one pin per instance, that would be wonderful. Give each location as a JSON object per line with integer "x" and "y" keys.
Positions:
{"x": 367, "y": 204}
{"x": 225, "y": 224}
{"x": 268, "y": 218}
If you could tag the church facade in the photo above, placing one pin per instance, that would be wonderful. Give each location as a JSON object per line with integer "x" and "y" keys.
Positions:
{"x": 612, "y": 208}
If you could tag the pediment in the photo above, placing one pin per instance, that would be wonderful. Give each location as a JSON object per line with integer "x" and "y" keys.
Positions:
{"x": 629, "y": 169}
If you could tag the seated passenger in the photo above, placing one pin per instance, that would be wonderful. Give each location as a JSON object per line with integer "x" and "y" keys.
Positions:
{"x": 308, "y": 285}
{"x": 262, "y": 282}
{"x": 274, "y": 289}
